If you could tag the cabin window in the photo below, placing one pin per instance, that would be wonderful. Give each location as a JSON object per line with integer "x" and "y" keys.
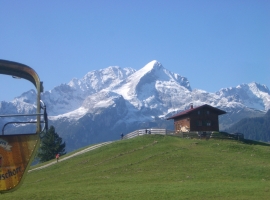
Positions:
{"x": 206, "y": 123}
{"x": 199, "y": 123}
{"x": 199, "y": 112}
{"x": 207, "y": 112}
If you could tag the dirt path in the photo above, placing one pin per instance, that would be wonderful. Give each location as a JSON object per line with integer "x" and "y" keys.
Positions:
{"x": 72, "y": 155}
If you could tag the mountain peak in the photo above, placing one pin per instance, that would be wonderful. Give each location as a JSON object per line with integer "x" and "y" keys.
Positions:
{"x": 153, "y": 65}
{"x": 258, "y": 87}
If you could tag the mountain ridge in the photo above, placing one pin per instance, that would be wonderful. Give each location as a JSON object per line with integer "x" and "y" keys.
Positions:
{"x": 257, "y": 128}
{"x": 106, "y": 102}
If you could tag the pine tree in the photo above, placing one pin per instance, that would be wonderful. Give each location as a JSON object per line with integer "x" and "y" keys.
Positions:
{"x": 51, "y": 145}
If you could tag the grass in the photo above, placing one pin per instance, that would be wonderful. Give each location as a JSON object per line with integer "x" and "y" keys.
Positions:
{"x": 156, "y": 167}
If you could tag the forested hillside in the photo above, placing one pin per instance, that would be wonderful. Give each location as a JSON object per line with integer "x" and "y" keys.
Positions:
{"x": 257, "y": 128}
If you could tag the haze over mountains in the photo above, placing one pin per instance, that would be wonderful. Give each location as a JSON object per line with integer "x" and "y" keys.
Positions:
{"x": 109, "y": 101}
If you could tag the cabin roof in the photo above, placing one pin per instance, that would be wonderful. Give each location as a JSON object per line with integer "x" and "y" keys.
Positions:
{"x": 187, "y": 112}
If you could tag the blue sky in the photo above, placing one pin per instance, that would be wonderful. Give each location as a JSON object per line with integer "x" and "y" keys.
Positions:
{"x": 215, "y": 44}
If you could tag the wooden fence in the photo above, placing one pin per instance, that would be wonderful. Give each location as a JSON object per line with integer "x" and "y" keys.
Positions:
{"x": 148, "y": 131}
{"x": 191, "y": 135}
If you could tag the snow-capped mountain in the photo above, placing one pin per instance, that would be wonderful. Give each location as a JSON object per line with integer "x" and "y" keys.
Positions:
{"x": 69, "y": 97}
{"x": 252, "y": 95}
{"x": 109, "y": 101}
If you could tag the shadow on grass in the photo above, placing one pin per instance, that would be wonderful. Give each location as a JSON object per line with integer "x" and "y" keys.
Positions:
{"x": 246, "y": 141}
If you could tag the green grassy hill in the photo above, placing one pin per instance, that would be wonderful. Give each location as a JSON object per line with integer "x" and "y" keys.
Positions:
{"x": 156, "y": 167}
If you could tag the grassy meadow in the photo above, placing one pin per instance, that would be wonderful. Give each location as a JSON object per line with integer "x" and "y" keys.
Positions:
{"x": 156, "y": 167}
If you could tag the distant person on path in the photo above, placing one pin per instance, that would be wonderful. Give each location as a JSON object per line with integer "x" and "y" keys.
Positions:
{"x": 57, "y": 157}
{"x": 122, "y": 136}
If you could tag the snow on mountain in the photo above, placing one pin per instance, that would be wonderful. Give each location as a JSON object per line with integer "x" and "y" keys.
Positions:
{"x": 28, "y": 97}
{"x": 69, "y": 97}
{"x": 7, "y": 108}
{"x": 152, "y": 88}
{"x": 94, "y": 103}
{"x": 252, "y": 95}
{"x": 115, "y": 99}
{"x": 99, "y": 79}
{"x": 25, "y": 103}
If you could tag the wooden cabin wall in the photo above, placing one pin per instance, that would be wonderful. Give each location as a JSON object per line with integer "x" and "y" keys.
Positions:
{"x": 200, "y": 120}
{"x": 178, "y": 123}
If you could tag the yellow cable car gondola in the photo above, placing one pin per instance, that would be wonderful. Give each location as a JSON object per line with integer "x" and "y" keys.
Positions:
{"x": 17, "y": 150}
